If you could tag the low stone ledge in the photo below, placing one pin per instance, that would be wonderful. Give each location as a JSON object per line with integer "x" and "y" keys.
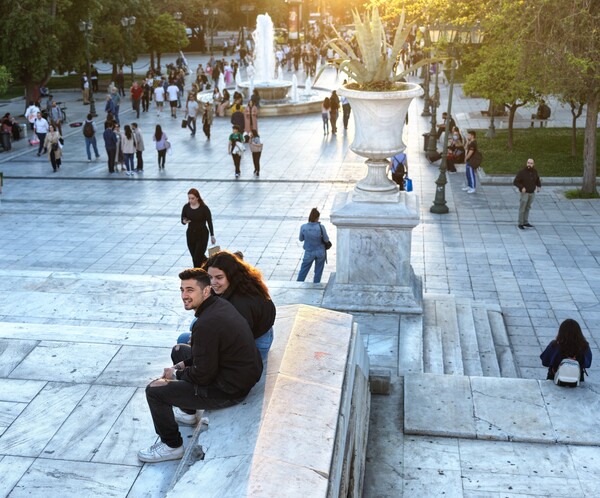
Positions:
{"x": 302, "y": 431}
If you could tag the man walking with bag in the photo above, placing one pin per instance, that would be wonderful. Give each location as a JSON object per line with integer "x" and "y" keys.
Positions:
{"x": 528, "y": 182}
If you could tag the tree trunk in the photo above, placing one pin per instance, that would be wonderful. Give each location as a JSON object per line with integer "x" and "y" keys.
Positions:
{"x": 576, "y": 110}
{"x": 152, "y": 60}
{"x": 589, "y": 145}
{"x": 512, "y": 110}
{"x": 158, "y": 54}
{"x": 32, "y": 91}
{"x": 113, "y": 76}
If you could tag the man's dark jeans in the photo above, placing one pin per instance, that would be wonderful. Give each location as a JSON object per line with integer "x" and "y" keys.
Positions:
{"x": 111, "y": 153}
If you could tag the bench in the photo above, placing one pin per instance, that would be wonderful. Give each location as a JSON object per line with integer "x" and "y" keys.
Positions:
{"x": 302, "y": 430}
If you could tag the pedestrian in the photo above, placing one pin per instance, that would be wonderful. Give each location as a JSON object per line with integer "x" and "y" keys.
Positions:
{"x": 53, "y": 144}
{"x": 236, "y": 148}
{"x": 120, "y": 83}
{"x": 314, "y": 236}
{"x": 237, "y": 116}
{"x": 109, "y": 108}
{"x": 31, "y": 113}
{"x": 528, "y": 182}
{"x": 136, "y": 92}
{"x": 159, "y": 98}
{"x": 146, "y": 94}
{"x": 569, "y": 343}
{"x": 94, "y": 78}
{"x": 41, "y": 128}
{"x": 250, "y": 117}
{"x": 222, "y": 366}
{"x": 139, "y": 147}
{"x": 207, "y": 119}
{"x": 241, "y": 284}
{"x": 55, "y": 115}
{"x": 471, "y": 161}
{"x": 110, "y": 144}
{"x": 85, "y": 88}
{"x": 162, "y": 144}
{"x": 172, "y": 95}
{"x": 346, "y": 110}
{"x": 89, "y": 134}
{"x": 197, "y": 216}
{"x": 191, "y": 109}
{"x": 256, "y": 147}
{"x": 128, "y": 147}
{"x": 334, "y": 110}
{"x": 325, "y": 109}
{"x": 399, "y": 168}
{"x": 116, "y": 98}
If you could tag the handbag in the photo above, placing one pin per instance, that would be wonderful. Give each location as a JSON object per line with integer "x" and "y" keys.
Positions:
{"x": 184, "y": 123}
{"x": 213, "y": 250}
{"x": 327, "y": 243}
{"x": 409, "y": 185}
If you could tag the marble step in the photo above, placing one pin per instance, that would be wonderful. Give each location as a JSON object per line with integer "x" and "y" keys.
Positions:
{"x": 410, "y": 344}
{"x": 451, "y": 347}
{"x": 433, "y": 361}
{"x": 501, "y": 409}
{"x": 468, "y": 340}
{"x": 485, "y": 341}
{"x": 504, "y": 353}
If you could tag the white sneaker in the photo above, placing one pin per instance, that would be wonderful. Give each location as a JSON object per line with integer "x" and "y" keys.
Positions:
{"x": 160, "y": 452}
{"x": 471, "y": 191}
{"x": 464, "y": 189}
{"x": 184, "y": 418}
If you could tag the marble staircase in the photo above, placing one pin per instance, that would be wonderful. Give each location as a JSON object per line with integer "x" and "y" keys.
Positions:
{"x": 456, "y": 337}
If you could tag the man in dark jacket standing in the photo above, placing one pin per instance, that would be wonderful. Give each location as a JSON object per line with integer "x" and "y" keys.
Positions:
{"x": 528, "y": 182}
{"x": 110, "y": 143}
{"x": 224, "y": 367}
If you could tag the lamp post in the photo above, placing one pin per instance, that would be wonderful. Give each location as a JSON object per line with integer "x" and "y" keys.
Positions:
{"x": 453, "y": 37}
{"x": 426, "y": 99}
{"x": 86, "y": 28}
{"x": 431, "y": 149}
{"x": 128, "y": 23}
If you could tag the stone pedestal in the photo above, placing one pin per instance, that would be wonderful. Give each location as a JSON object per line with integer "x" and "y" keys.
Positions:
{"x": 373, "y": 270}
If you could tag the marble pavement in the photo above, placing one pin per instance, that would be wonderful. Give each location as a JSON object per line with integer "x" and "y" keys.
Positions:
{"x": 73, "y": 241}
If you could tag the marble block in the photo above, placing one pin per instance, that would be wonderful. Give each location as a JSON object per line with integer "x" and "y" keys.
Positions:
{"x": 373, "y": 270}
{"x": 137, "y": 365}
{"x": 12, "y": 469}
{"x": 12, "y": 353}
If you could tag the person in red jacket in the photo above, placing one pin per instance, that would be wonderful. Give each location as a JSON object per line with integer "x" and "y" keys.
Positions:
{"x": 136, "y": 96}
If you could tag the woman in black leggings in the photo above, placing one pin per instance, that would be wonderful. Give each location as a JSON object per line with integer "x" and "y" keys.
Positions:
{"x": 162, "y": 144}
{"x": 196, "y": 215}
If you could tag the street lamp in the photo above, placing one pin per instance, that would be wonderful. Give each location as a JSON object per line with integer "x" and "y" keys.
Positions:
{"x": 210, "y": 14}
{"x": 431, "y": 149}
{"x": 128, "y": 23}
{"x": 86, "y": 28}
{"x": 426, "y": 99}
{"x": 454, "y": 37}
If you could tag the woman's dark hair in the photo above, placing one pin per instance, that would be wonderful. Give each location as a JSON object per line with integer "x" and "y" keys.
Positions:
{"x": 570, "y": 338}
{"x": 128, "y": 132}
{"x": 158, "y": 133}
{"x": 326, "y": 103}
{"x": 196, "y": 194}
{"x": 243, "y": 277}
{"x": 314, "y": 215}
{"x": 255, "y": 133}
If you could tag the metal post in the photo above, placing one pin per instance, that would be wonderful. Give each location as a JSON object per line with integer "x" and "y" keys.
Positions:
{"x": 439, "y": 203}
{"x": 426, "y": 98}
{"x": 432, "y": 142}
{"x": 87, "y": 34}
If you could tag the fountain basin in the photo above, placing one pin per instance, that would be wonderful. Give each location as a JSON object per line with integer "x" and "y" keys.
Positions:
{"x": 269, "y": 90}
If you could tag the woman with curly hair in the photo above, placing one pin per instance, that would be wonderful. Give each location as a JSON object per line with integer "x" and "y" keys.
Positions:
{"x": 569, "y": 343}
{"x": 241, "y": 284}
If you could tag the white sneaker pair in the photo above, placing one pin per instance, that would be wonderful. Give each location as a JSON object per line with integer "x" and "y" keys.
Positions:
{"x": 160, "y": 452}
{"x": 471, "y": 191}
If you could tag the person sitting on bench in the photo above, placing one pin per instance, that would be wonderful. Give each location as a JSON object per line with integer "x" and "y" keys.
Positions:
{"x": 543, "y": 114}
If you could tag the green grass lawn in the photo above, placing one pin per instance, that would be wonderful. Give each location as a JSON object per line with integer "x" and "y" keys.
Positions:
{"x": 550, "y": 147}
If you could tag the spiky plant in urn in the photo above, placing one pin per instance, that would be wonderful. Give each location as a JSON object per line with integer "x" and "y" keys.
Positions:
{"x": 378, "y": 94}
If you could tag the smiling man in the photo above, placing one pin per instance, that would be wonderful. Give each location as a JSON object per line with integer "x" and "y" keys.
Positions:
{"x": 224, "y": 367}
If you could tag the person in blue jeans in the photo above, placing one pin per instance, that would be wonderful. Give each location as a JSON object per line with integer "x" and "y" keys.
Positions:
{"x": 240, "y": 283}
{"x": 313, "y": 234}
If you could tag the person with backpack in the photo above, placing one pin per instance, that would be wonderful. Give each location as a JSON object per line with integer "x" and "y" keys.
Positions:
{"x": 89, "y": 133}
{"x": 569, "y": 344}
{"x": 399, "y": 169}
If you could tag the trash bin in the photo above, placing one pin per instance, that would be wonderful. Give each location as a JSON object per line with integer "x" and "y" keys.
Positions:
{"x": 426, "y": 138}
{"x": 23, "y": 130}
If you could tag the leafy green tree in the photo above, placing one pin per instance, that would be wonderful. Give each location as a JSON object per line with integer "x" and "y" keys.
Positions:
{"x": 5, "y": 79}
{"x": 164, "y": 34}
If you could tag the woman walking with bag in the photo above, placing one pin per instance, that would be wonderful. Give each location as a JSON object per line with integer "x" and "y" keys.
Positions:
{"x": 128, "y": 147}
{"x": 236, "y": 148}
{"x": 196, "y": 215}
{"x": 162, "y": 144}
{"x": 53, "y": 144}
{"x": 256, "y": 147}
{"x": 316, "y": 241}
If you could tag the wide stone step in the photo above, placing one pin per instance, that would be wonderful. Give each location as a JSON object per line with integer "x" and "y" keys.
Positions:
{"x": 485, "y": 342}
{"x": 410, "y": 344}
{"x": 433, "y": 357}
{"x": 503, "y": 409}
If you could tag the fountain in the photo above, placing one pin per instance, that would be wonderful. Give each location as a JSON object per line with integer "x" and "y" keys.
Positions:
{"x": 269, "y": 87}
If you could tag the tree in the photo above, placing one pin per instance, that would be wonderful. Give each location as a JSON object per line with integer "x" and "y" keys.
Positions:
{"x": 5, "y": 79}
{"x": 502, "y": 78}
{"x": 565, "y": 36}
{"x": 164, "y": 34}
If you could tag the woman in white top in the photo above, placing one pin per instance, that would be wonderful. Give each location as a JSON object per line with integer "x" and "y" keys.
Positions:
{"x": 128, "y": 147}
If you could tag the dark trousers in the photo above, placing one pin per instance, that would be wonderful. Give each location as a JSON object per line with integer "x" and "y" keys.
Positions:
{"x": 237, "y": 159}
{"x": 197, "y": 243}
{"x": 206, "y": 129}
{"x": 186, "y": 396}
{"x": 140, "y": 160}
{"x": 111, "y": 153}
{"x": 55, "y": 162}
{"x": 333, "y": 117}
{"x": 346, "y": 109}
{"x": 42, "y": 138}
{"x": 191, "y": 122}
{"x": 145, "y": 103}
{"x": 256, "y": 160}
{"x": 135, "y": 104}
{"x": 162, "y": 155}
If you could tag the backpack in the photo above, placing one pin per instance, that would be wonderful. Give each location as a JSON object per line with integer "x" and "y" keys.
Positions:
{"x": 88, "y": 130}
{"x": 568, "y": 373}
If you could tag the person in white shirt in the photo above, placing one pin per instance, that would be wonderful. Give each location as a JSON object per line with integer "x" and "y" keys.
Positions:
{"x": 41, "y": 127}
{"x": 173, "y": 93}
{"x": 159, "y": 99}
{"x": 31, "y": 113}
{"x": 191, "y": 108}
